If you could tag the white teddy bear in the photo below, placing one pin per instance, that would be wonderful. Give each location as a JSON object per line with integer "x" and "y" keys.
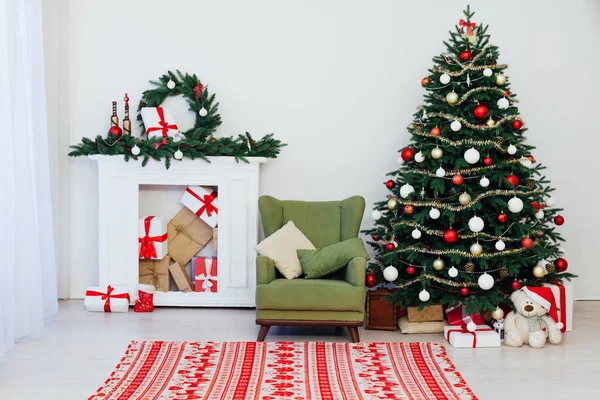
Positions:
{"x": 534, "y": 320}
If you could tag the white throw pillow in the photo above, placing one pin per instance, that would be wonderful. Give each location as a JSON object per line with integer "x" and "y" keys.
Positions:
{"x": 281, "y": 247}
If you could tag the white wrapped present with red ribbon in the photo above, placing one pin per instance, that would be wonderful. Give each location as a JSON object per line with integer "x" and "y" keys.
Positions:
{"x": 206, "y": 274}
{"x": 458, "y": 315}
{"x": 158, "y": 122}
{"x": 107, "y": 299}
{"x": 482, "y": 336}
{"x": 153, "y": 238}
{"x": 563, "y": 296}
{"x": 203, "y": 202}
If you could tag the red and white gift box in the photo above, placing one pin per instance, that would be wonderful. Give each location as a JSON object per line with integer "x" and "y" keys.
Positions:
{"x": 563, "y": 295}
{"x": 153, "y": 238}
{"x": 107, "y": 299}
{"x": 483, "y": 336}
{"x": 458, "y": 315}
{"x": 158, "y": 122}
{"x": 206, "y": 274}
{"x": 203, "y": 202}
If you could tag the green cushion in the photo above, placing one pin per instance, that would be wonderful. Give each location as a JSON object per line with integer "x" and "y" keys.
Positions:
{"x": 310, "y": 294}
{"x": 321, "y": 262}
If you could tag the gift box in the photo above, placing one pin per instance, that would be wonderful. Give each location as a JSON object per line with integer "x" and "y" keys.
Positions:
{"x": 145, "y": 299}
{"x": 563, "y": 295}
{"x": 457, "y": 316}
{"x": 205, "y": 274}
{"x": 188, "y": 234}
{"x": 420, "y": 327}
{"x": 158, "y": 122}
{"x": 203, "y": 202}
{"x": 152, "y": 240}
{"x": 215, "y": 240}
{"x": 428, "y": 313}
{"x": 155, "y": 272}
{"x": 483, "y": 336}
{"x": 107, "y": 299}
{"x": 181, "y": 278}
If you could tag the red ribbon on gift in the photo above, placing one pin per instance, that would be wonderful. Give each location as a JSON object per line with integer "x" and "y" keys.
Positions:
{"x": 537, "y": 205}
{"x": 463, "y": 329}
{"x": 562, "y": 292}
{"x": 470, "y": 26}
{"x": 164, "y": 125}
{"x": 148, "y": 249}
{"x": 107, "y": 296}
{"x": 206, "y": 201}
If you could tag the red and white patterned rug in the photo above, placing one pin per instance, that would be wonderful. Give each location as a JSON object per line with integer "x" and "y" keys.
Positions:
{"x": 297, "y": 371}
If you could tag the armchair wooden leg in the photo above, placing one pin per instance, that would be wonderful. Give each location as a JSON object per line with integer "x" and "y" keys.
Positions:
{"x": 262, "y": 333}
{"x": 353, "y": 330}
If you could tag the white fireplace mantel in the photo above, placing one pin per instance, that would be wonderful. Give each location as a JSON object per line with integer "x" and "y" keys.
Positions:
{"x": 118, "y": 214}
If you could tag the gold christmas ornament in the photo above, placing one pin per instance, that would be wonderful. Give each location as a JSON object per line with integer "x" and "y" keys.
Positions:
{"x": 469, "y": 268}
{"x": 464, "y": 198}
{"x": 498, "y": 313}
{"x": 490, "y": 122}
{"x": 392, "y": 203}
{"x": 503, "y": 273}
{"x": 438, "y": 264}
{"x": 500, "y": 79}
{"x": 476, "y": 249}
{"x": 452, "y": 98}
{"x": 539, "y": 271}
{"x": 437, "y": 153}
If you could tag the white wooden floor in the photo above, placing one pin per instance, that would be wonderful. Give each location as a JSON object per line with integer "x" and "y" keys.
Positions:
{"x": 81, "y": 349}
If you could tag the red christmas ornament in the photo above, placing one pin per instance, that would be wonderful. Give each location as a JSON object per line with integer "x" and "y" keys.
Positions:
{"x": 425, "y": 81}
{"x": 517, "y": 124}
{"x": 527, "y": 243}
{"x": 488, "y": 161}
{"x": 390, "y": 246}
{"x": 465, "y": 55}
{"x": 408, "y": 209}
{"x": 407, "y": 154}
{"x": 507, "y": 92}
{"x": 375, "y": 237}
{"x": 516, "y": 285}
{"x": 457, "y": 179}
{"x": 502, "y": 217}
{"x": 450, "y": 236}
{"x": 480, "y": 112}
{"x": 390, "y": 184}
{"x": 370, "y": 280}
{"x": 513, "y": 180}
{"x": 531, "y": 158}
{"x": 561, "y": 264}
{"x": 115, "y": 131}
{"x": 436, "y": 131}
{"x": 410, "y": 270}
{"x": 559, "y": 220}
{"x": 464, "y": 291}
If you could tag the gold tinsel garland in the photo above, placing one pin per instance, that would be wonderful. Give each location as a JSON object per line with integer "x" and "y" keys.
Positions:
{"x": 487, "y": 256}
{"x": 482, "y": 196}
{"x": 465, "y": 96}
{"x": 468, "y": 171}
{"x": 473, "y": 126}
{"x": 469, "y": 68}
{"x": 448, "y": 282}
{"x": 498, "y": 145}
{"x": 434, "y": 232}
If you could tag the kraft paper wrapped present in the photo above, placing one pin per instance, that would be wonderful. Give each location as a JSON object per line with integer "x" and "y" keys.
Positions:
{"x": 181, "y": 278}
{"x": 188, "y": 234}
{"x": 204, "y": 202}
{"x": 156, "y": 273}
{"x": 152, "y": 240}
{"x": 205, "y": 274}
{"x": 429, "y": 313}
{"x": 107, "y": 299}
{"x": 158, "y": 122}
{"x": 563, "y": 295}
{"x": 215, "y": 241}
{"x": 483, "y": 336}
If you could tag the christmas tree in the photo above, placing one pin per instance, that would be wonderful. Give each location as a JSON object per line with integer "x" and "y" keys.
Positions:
{"x": 469, "y": 217}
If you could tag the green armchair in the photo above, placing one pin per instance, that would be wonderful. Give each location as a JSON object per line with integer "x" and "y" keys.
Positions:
{"x": 335, "y": 300}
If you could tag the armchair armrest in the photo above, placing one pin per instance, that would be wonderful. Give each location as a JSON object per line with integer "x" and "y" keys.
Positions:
{"x": 355, "y": 271}
{"x": 265, "y": 270}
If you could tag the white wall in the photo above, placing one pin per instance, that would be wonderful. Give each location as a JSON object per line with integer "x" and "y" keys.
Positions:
{"x": 337, "y": 80}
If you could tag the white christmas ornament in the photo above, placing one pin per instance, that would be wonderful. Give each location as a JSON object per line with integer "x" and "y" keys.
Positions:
{"x": 135, "y": 150}
{"x": 549, "y": 201}
{"x": 178, "y": 155}
{"x": 515, "y": 205}
{"x": 203, "y": 112}
{"x": 526, "y": 162}
{"x": 424, "y": 295}
{"x": 539, "y": 214}
{"x": 390, "y": 273}
{"x": 455, "y": 126}
{"x": 471, "y": 156}
{"x": 471, "y": 326}
{"x": 485, "y": 281}
{"x": 512, "y": 149}
{"x": 452, "y": 98}
{"x": 476, "y": 224}
{"x": 406, "y": 190}
{"x": 484, "y": 182}
{"x": 177, "y": 137}
{"x": 543, "y": 263}
{"x": 503, "y": 103}
{"x": 419, "y": 157}
{"x": 171, "y": 84}
{"x": 376, "y": 215}
{"x": 487, "y": 72}
{"x": 453, "y": 272}
{"x": 444, "y": 79}
{"x": 500, "y": 245}
{"x": 434, "y": 213}
{"x": 440, "y": 172}
{"x": 416, "y": 234}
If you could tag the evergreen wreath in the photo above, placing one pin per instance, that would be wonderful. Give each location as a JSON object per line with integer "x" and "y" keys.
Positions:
{"x": 197, "y": 142}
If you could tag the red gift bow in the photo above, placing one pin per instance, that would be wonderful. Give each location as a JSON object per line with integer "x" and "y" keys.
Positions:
{"x": 537, "y": 206}
{"x": 107, "y": 296}
{"x": 148, "y": 249}
{"x": 463, "y": 329}
{"x": 206, "y": 200}
{"x": 164, "y": 125}
{"x": 469, "y": 26}
{"x": 198, "y": 89}
{"x": 208, "y": 279}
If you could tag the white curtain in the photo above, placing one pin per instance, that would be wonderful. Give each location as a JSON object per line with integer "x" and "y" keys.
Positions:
{"x": 27, "y": 259}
